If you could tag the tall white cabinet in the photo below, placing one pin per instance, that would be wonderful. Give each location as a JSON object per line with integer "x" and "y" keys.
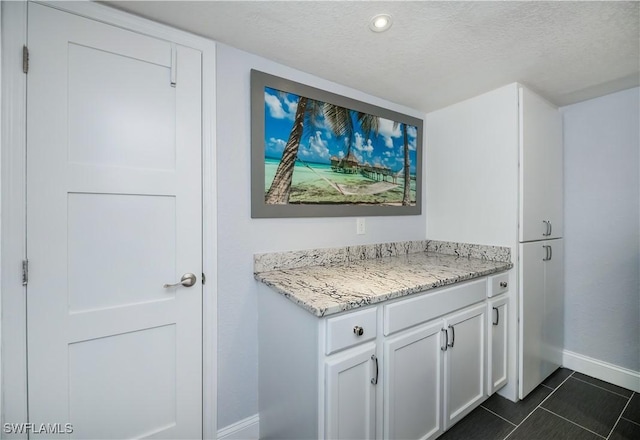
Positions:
{"x": 494, "y": 176}
{"x": 540, "y": 148}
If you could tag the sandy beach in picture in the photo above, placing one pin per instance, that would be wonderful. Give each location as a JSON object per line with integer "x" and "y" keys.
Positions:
{"x": 315, "y": 183}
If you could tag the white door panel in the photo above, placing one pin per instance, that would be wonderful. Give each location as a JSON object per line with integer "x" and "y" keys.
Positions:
{"x": 413, "y": 385}
{"x": 114, "y": 212}
{"x": 540, "y": 168}
{"x": 532, "y": 331}
{"x": 133, "y": 125}
{"x": 464, "y": 363}
{"x": 542, "y": 311}
{"x": 100, "y": 226}
{"x": 554, "y": 305}
{"x": 350, "y": 405}
{"x": 137, "y": 369}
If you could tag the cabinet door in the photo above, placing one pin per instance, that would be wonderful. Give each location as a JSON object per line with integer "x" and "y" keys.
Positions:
{"x": 541, "y": 311}
{"x": 553, "y": 306}
{"x": 412, "y": 383}
{"x": 540, "y": 168}
{"x": 350, "y": 399}
{"x": 532, "y": 311}
{"x": 464, "y": 363}
{"x": 497, "y": 313}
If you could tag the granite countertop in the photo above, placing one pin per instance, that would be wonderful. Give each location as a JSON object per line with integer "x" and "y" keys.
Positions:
{"x": 326, "y": 282}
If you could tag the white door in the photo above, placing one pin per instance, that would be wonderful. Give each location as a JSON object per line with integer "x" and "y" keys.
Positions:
{"x": 532, "y": 320}
{"x": 497, "y": 347}
{"x": 553, "y": 306}
{"x": 413, "y": 384}
{"x": 114, "y": 213}
{"x": 350, "y": 401}
{"x": 540, "y": 168}
{"x": 464, "y": 363}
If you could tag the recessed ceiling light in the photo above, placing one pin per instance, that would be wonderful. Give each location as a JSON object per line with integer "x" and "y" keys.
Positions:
{"x": 380, "y": 23}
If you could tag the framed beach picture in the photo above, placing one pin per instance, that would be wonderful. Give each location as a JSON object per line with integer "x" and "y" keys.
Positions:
{"x": 319, "y": 154}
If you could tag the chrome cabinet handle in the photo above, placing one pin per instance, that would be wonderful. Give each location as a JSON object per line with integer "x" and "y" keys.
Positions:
{"x": 547, "y": 229}
{"x": 503, "y": 284}
{"x": 497, "y": 321}
{"x": 548, "y": 253}
{"x": 453, "y": 336}
{"x": 446, "y": 339}
{"x": 359, "y": 331}
{"x": 374, "y": 380}
{"x": 550, "y": 227}
{"x": 187, "y": 280}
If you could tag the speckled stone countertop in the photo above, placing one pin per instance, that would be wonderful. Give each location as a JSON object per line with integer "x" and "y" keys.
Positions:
{"x": 330, "y": 281}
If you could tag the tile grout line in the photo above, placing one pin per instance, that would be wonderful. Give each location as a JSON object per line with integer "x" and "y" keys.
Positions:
{"x": 620, "y": 416}
{"x": 629, "y": 420}
{"x": 498, "y": 415}
{"x": 602, "y": 388}
{"x": 572, "y": 422}
{"x": 543, "y": 400}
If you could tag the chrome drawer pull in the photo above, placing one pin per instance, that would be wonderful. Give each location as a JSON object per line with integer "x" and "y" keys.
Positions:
{"x": 453, "y": 336}
{"x": 374, "y": 380}
{"x": 446, "y": 339}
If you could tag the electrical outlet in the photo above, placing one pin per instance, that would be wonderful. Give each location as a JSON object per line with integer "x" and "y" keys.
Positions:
{"x": 360, "y": 226}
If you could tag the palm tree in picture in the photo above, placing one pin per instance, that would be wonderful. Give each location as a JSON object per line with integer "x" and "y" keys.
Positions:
{"x": 406, "y": 195}
{"x": 341, "y": 122}
{"x": 280, "y": 188}
{"x": 339, "y": 119}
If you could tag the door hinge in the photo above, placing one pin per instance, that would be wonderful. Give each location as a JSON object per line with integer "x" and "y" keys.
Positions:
{"x": 25, "y": 59}
{"x": 204, "y": 279}
{"x": 25, "y": 272}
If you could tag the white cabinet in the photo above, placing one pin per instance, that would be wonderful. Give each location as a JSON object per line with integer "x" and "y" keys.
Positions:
{"x": 498, "y": 159}
{"x": 541, "y": 310}
{"x": 350, "y": 390}
{"x": 540, "y": 168}
{"x": 434, "y": 373}
{"x": 413, "y": 383}
{"x": 464, "y": 363}
{"x": 406, "y": 369}
{"x": 497, "y": 348}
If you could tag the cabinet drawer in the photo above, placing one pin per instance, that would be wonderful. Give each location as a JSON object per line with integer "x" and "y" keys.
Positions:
{"x": 409, "y": 312}
{"x": 498, "y": 284}
{"x": 351, "y": 329}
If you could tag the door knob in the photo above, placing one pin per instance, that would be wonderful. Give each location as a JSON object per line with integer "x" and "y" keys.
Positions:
{"x": 187, "y": 280}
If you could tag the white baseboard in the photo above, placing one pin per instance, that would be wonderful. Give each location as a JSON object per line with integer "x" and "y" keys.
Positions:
{"x": 245, "y": 429}
{"x": 614, "y": 374}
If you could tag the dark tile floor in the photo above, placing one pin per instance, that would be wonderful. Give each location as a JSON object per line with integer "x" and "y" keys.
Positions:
{"x": 567, "y": 406}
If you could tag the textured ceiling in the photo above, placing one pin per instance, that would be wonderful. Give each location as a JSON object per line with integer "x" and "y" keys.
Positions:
{"x": 436, "y": 53}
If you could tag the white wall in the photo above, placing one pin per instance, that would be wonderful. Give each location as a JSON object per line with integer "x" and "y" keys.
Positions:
{"x": 240, "y": 236}
{"x": 602, "y": 228}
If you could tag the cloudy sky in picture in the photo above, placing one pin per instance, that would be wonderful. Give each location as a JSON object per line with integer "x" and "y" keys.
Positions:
{"x": 319, "y": 143}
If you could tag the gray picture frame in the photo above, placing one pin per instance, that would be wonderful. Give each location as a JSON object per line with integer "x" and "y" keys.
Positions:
{"x": 261, "y": 209}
